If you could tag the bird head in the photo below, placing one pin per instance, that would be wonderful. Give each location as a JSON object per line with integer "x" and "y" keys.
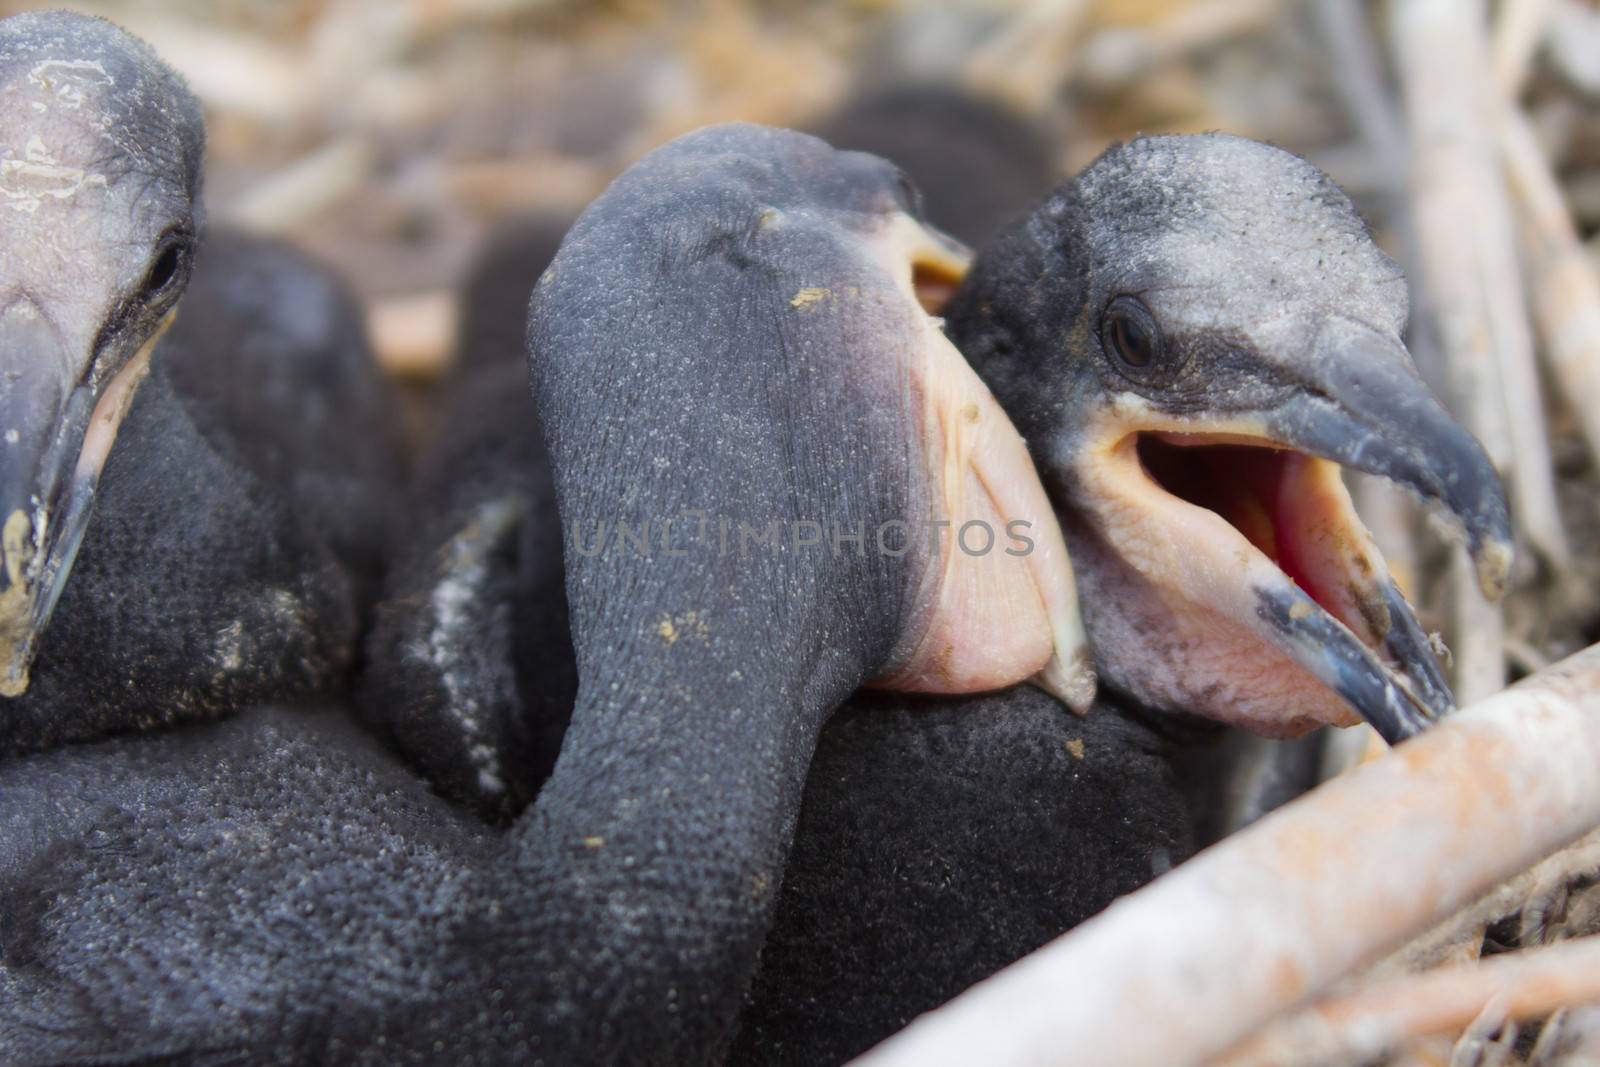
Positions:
{"x": 100, "y": 162}
{"x": 1196, "y": 334}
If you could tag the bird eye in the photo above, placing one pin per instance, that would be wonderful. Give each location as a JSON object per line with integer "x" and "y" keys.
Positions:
{"x": 163, "y": 272}
{"x": 1129, "y": 334}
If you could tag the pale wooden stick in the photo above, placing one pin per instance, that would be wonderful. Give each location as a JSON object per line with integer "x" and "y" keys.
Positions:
{"x": 1469, "y": 252}
{"x": 1573, "y": 45}
{"x": 1562, "y": 277}
{"x": 1570, "y": 1039}
{"x": 1471, "y": 283}
{"x": 1460, "y": 937}
{"x": 1024, "y": 59}
{"x": 1360, "y": 1026}
{"x": 1353, "y": 53}
{"x": 1117, "y": 57}
{"x": 1478, "y": 638}
{"x": 311, "y": 184}
{"x": 1436, "y": 53}
{"x": 1189, "y": 965}
{"x": 239, "y": 73}
{"x": 1518, "y": 32}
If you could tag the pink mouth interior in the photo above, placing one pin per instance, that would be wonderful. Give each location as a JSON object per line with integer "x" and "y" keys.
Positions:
{"x": 1248, "y": 486}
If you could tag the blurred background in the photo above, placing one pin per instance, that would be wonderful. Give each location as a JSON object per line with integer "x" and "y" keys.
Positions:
{"x": 423, "y": 146}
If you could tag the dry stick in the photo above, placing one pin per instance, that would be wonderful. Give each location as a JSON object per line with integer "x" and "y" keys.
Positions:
{"x": 1468, "y": 246}
{"x": 1119, "y": 56}
{"x": 1562, "y": 277}
{"x": 1357, "y": 1028}
{"x": 1441, "y": 198}
{"x": 1280, "y": 911}
{"x": 1472, "y": 282}
{"x": 1024, "y": 58}
{"x": 233, "y": 72}
{"x": 1477, "y": 638}
{"x": 1518, "y": 31}
{"x": 305, "y": 188}
{"x": 1459, "y": 938}
{"x": 1573, "y": 1032}
{"x": 1359, "y": 83}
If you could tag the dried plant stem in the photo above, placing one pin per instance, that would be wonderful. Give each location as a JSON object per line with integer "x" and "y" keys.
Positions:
{"x": 307, "y": 187}
{"x": 1280, "y": 911}
{"x": 1467, "y": 243}
{"x": 1023, "y": 60}
{"x": 1354, "y": 55}
{"x": 1477, "y": 640}
{"x": 1518, "y": 31}
{"x": 1460, "y": 937}
{"x": 1358, "y": 1027}
{"x": 1561, "y": 275}
{"x": 1470, "y": 281}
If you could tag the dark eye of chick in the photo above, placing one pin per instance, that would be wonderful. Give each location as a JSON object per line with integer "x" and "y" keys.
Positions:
{"x": 1130, "y": 336}
{"x": 163, "y": 272}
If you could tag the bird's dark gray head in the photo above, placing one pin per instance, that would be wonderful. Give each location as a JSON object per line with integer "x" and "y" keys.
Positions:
{"x": 741, "y": 259}
{"x": 1194, "y": 334}
{"x": 100, "y": 163}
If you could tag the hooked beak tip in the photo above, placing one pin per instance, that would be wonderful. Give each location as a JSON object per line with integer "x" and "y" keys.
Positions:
{"x": 1072, "y": 682}
{"x": 14, "y": 682}
{"x": 1493, "y": 561}
{"x": 17, "y": 627}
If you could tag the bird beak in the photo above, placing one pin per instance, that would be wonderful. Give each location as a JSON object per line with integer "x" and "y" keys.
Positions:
{"x": 939, "y": 263}
{"x": 1374, "y": 415}
{"x": 1008, "y": 613}
{"x": 56, "y": 431}
{"x": 1258, "y": 526}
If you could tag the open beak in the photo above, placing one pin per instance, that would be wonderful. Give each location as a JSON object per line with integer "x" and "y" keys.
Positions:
{"x": 1256, "y": 524}
{"x": 55, "y": 436}
{"x": 1004, "y": 601}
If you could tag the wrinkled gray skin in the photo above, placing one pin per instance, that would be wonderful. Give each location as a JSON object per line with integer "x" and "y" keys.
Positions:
{"x": 1277, "y": 309}
{"x": 330, "y": 911}
{"x": 102, "y": 149}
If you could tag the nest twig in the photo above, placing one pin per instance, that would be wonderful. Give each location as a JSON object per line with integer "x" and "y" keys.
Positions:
{"x": 1282, "y": 910}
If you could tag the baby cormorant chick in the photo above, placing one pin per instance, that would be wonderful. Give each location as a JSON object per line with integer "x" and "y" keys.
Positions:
{"x": 186, "y": 528}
